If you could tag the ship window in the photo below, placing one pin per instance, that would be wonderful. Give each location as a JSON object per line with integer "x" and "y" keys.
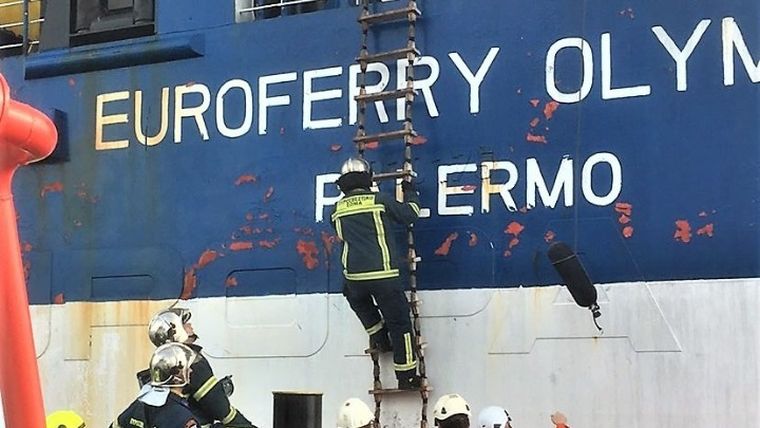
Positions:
{"x": 250, "y": 10}
{"x": 97, "y": 21}
{"x": 12, "y": 26}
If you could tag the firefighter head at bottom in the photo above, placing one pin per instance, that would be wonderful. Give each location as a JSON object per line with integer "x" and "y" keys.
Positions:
{"x": 452, "y": 411}
{"x": 354, "y": 413}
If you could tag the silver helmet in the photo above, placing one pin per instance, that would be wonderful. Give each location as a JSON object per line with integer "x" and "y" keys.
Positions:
{"x": 168, "y": 326}
{"x": 170, "y": 365}
{"x": 354, "y": 165}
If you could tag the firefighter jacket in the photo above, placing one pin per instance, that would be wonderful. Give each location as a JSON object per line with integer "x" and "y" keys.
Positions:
{"x": 173, "y": 414}
{"x": 362, "y": 220}
{"x": 207, "y": 398}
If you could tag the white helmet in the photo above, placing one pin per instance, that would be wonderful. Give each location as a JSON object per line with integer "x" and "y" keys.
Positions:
{"x": 354, "y": 413}
{"x": 168, "y": 326}
{"x": 170, "y": 365}
{"x": 494, "y": 417}
{"x": 450, "y": 405}
{"x": 354, "y": 165}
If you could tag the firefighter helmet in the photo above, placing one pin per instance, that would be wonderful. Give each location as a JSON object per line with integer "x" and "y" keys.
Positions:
{"x": 168, "y": 326}
{"x": 64, "y": 419}
{"x": 170, "y": 365}
{"x": 354, "y": 165}
{"x": 494, "y": 417}
{"x": 354, "y": 413}
{"x": 450, "y": 405}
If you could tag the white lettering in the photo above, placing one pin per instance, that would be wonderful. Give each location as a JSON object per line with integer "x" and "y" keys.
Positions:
{"x": 616, "y": 182}
{"x": 475, "y": 80}
{"x": 354, "y": 90}
{"x": 680, "y": 56}
{"x": 195, "y": 112}
{"x": 321, "y": 200}
{"x": 102, "y": 120}
{"x": 444, "y": 191}
{"x": 489, "y": 188}
{"x": 265, "y": 101}
{"x": 310, "y": 96}
{"x": 536, "y": 183}
{"x": 423, "y": 85}
{"x": 733, "y": 39}
{"x": 608, "y": 92}
{"x": 164, "y": 119}
{"x": 588, "y": 70}
{"x": 247, "y": 103}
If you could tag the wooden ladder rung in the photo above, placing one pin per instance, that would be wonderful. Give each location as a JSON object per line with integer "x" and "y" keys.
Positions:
{"x": 385, "y": 95}
{"x": 382, "y": 56}
{"x": 391, "y": 135}
{"x": 393, "y": 175}
{"x": 409, "y": 13}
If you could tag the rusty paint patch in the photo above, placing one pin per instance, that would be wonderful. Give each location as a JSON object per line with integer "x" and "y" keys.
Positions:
{"x": 327, "y": 242}
{"x": 624, "y": 219}
{"x": 535, "y": 102}
{"x": 514, "y": 228}
{"x": 54, "y": 187}
{"x": 72, "y": 82}
{"x": 473, "y": 239}
{"x": 268, "y": 245}
{"x": 683, "y": 231}
{"x": 372, "y": 145}
{"x": 507, "y": 253}
{"x": 268, "y": 194}
{"x": 189, "y": 284}
{"x": 249, "y": 216}
{"x": 26, "y": 247}
{"x": 469, "y": 187}
{"x": 246, "y": 178}
{"x": 241, "y": 245}
{"x": 231, "y": 282}
{"x": 59, "y": 299}
{"x": 707, "y": 230}
{"x": 419, "y": 140}
{"x": 208, "y": 257}
{"x": 247, "y": 230}
{"x": 535, "y": 122}
{"x": 624, "y": 208}
{"x": 513, "y": 242}
{"x": 335, "y": 147}
{"x": 549, "y": 236}
{"x": 550, "y": 108}
{"x": 445, "y": 247}
{"x": 308, "y": 250}
{"x": 532, "y": 138}
{"x": 628, "y": 231}
{"x": 84, "y": 195}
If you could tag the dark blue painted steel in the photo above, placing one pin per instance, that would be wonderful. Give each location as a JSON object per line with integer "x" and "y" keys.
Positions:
{"x": 166, "y": 216}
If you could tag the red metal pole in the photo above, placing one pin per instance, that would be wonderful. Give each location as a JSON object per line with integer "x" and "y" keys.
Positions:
{"x": 26, "y": 135}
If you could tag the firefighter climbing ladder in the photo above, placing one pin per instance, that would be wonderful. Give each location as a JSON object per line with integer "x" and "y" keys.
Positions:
{"x": 367, "y": 20}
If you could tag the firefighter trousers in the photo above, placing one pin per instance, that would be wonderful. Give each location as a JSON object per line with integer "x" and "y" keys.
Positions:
{"x": 382, "y": 308}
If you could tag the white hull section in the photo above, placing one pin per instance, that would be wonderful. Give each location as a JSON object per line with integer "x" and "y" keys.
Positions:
{"x": 673, "y": 354}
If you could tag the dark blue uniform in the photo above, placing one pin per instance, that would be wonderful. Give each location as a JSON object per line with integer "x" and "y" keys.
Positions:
{"x": 173, "y": 414}
{"x": 362, "y": 220}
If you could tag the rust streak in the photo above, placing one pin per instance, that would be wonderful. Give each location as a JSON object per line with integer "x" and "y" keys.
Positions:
{"x": 189, "y": 284}
{"x": 683, "y": 231}
{"x": 445, "y": 247}
{"x": 308, "y": 250}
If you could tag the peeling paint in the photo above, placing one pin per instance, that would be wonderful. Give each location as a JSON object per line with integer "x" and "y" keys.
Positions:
{"x": 683, "y": 231}
{"x": 706, "y": 230}
{"x": 513, "y": 243}
{"x": 268, "y": 194}
{"x": 549, "y": 236}
{"x": 249, "y": 216}
{"x": 624, "y": 219}
{"x": 335, "y": 147}
{"x": 268, "y": 245}
{"x": 532, "y": 138}
{"x": 419, "y": 140}
{"x": 189, "y": 284}
{"x": 469, "y": 187}
{"x": 628, "y": 231}
{"x": 59, "y": 299}
{"x": 241, "y": 245}
{"x": 231, "y": 282}
{"x": 550, "y": 108}
{"x": 247, "y": 230}
{"x": 246, "y": 178}
{"x": 535, "y": 122}
{"x": 26, "y": 247}
{"x": 535, "y": 102}
{"x": 473, "y": 239}
{"x": 327, "y": 242}
{"x": 308, "y": 250}
{"x": 53, "y": 187}
{"x": 372, "y": 145}
{"x": 624, "y": 208}
{"x": 507, "y": 253}
{"x": 445, "y": 247}
{"x": 72, "y": 82}
{"x": 514, "y": 228}
{"x": 208, "y": 257}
